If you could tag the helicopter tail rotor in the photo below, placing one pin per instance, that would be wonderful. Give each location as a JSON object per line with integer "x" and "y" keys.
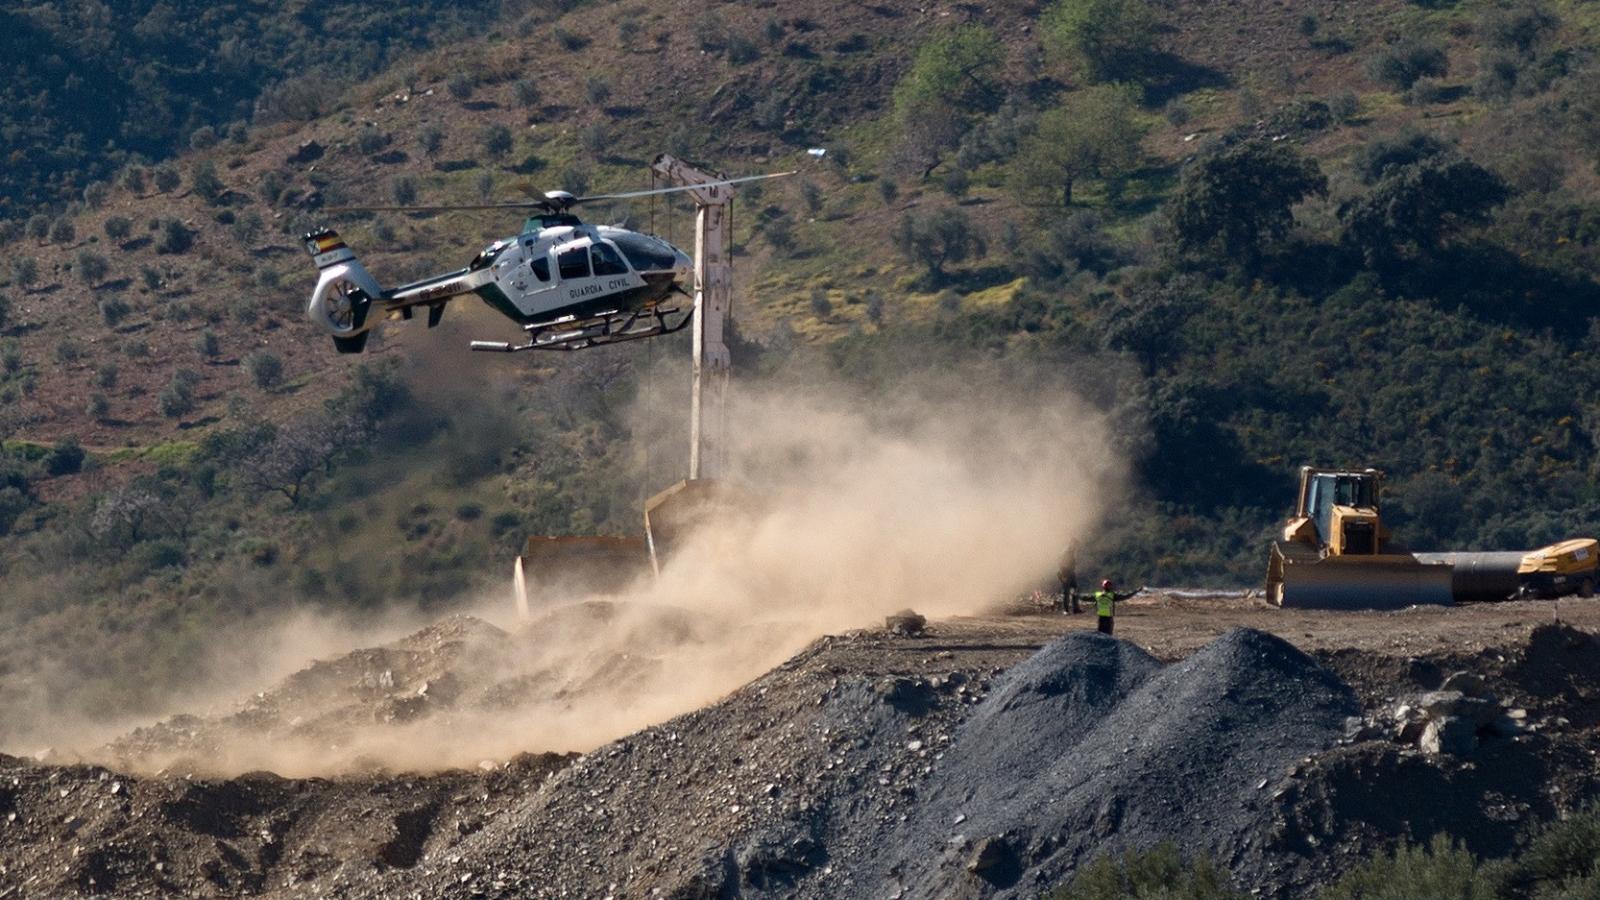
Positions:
{"x": 344, "y": 294}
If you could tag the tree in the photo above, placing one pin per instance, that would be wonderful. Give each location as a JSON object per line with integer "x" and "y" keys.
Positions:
{"x": 62, "y": 231}
{"x": 936, "y": 239}
{"x": 125, "y": 516}
{"x": 1385, "y": 155}
{"x": 118, "y": 228}
{"x": 1521, "y": 28}
{"x": 954, "y": 78}
{"x": 301, "y": 452}
{"x": 1415, "y": 208}
{"x": 1094, "y": 134}
{"x": 1102, "y": 39}
{"x": 1236, "y": 202}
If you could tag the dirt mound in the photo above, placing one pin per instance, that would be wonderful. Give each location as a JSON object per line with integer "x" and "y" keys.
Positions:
{"x": 323, "y": 711}
{"x": 977, "y": 758}
{"x": 459, "y": 692}
{"x": 1093, "y": 746}
{"x": 88, "y": 831}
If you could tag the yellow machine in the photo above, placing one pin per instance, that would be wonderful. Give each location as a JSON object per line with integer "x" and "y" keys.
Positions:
{"x": 1559, "y": 569}
{"x": 1335, "y": 552}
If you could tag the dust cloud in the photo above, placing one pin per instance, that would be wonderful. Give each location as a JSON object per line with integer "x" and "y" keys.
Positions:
{"x": 948, "y": 495}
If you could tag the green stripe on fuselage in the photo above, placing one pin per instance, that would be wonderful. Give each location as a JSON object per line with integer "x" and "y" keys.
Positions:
{"x": 497, "y": 299}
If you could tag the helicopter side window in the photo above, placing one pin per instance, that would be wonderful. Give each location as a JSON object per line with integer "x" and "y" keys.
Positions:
{"x": 647, "y": 254}
{"x": 573, "y": 263}
{"x": 541, "y": 267}
{"x": 606, "y": 260}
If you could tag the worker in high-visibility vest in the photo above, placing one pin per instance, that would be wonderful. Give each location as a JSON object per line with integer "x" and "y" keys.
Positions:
{"x": 1105, "y": 605}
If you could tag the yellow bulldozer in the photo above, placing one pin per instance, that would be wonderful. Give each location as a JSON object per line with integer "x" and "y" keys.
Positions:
{"x": 1336, "y": 553}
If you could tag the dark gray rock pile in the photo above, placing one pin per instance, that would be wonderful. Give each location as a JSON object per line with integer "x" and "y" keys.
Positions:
{"x": 1093, "y": 746}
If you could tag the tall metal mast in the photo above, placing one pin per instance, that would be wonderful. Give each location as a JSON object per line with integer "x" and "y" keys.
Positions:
{"x": 713, "y": 297}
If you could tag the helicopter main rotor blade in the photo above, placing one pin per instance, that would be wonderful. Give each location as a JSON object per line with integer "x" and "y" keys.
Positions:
{"x": 532, "y": 204}
{"x": 547, "y": 202}
{"x": 673, "y": 190}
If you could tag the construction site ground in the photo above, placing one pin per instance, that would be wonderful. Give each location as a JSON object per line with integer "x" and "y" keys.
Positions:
{"x": 878, "y": 764}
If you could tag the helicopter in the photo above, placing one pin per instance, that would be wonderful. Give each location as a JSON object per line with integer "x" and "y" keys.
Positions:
{"x": 568, "y": 284}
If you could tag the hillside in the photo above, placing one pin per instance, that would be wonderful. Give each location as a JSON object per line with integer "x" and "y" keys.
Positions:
{"x": 157, "y": 374}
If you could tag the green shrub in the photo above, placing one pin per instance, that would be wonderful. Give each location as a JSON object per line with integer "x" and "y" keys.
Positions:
{"x": 177, "y": 398}
{"x": 24, "y": 271}
{"x": 113, "y": 310}
{"x": 203, "y": 138}
{"x": 92, "y": 267}
{"x": 404, "y": 190}
{"x": 205, "y": 182}
{"x": 568, "y": 40}
{"x": 742, "y": 51}
{"x": 1155, "y": 874}
{"x": 371, "y": 140}
{"x": 430, "y": 139}
{"x": 497, "y": 140}
{"x": 176, "y": 238}
{"x": 65, "y": 458}
{"x": 1562, "y": 861}
{"x": 1441, "y": 871}
{"x": 1399, "y": 65}
{"x": 821, "y": 306}
{"x": 167, "y": 179}
{"x": 460, "y": 85}
{"x": 95, "y": 194}
{"x": 595, "y": 138}
{"x": 266, "y": 369}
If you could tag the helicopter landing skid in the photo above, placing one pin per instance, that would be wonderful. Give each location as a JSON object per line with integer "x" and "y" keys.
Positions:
{"x": 598, "y": 330}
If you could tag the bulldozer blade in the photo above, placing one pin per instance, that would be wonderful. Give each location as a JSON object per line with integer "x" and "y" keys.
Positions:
{"x": 1298, "y": 577}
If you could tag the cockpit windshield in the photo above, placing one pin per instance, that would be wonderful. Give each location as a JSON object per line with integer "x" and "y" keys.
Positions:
{"x": 645, "y": 253}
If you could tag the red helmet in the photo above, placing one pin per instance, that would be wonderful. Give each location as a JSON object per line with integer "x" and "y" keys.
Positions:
{"x": 1105, "y": 585}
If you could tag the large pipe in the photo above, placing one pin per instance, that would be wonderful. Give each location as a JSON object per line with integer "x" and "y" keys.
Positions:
{"x": 1480, "y": 576}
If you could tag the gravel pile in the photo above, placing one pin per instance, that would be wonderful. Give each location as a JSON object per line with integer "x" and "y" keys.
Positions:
{"x": 1093, "y": 746}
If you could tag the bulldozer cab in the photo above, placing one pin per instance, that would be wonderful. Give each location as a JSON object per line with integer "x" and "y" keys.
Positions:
{"x": 1335, "y": 552}
{"x": 1343, "y": 508}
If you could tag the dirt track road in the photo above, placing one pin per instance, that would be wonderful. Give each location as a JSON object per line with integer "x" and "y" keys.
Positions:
{"x": 1171, "y": 627}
